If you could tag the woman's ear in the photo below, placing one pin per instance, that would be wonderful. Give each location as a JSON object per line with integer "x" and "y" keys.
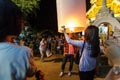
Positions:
{"x": 10, "y": 38}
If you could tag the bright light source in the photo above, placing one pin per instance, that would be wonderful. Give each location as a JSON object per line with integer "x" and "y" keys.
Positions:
{"x": 71, "y": 24}
{"x": 71, "y": 29}
{"x": 72, "y": 14}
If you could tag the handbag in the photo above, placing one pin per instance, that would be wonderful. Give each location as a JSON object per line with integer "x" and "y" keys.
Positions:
{"x": 78, "y": 56}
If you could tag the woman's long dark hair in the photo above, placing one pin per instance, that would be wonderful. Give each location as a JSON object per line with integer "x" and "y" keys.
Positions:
{"x": 92, "y": 37}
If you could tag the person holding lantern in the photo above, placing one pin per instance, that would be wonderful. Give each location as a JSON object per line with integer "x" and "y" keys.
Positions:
{"x": 90, "y": 51}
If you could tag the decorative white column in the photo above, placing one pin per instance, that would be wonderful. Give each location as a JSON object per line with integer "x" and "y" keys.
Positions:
{"x": 104, "y": 3}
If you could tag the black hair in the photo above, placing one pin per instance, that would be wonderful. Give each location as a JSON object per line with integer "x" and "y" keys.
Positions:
{"x": 92, "y": 37}
{"x": 11, "y": 19}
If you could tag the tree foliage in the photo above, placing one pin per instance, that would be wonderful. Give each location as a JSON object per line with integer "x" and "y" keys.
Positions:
{"x": 27, "y": 6}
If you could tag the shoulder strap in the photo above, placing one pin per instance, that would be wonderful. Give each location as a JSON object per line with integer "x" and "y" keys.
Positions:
{"x": 82, "y": 48}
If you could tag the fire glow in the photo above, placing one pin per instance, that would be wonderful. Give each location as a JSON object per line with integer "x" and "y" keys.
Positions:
{"x": 72, "y": 14}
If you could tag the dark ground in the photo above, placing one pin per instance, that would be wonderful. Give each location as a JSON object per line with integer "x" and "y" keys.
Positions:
{"x": 52, "y": 67}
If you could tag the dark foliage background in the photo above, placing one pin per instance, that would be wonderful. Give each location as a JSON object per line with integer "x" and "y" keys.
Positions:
{"x": 46, "y": 16}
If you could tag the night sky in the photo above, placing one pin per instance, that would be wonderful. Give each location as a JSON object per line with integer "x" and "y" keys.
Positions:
{"x": 48, "y": 14}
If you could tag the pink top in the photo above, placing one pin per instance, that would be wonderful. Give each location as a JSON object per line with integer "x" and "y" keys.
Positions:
{"x": 71, "y": 49}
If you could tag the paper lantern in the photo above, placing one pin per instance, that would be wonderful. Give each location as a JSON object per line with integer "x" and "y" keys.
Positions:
{"x": 71, "y": 14}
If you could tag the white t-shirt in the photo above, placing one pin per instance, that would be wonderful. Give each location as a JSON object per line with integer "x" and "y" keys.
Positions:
{"x": 42, "y": 45}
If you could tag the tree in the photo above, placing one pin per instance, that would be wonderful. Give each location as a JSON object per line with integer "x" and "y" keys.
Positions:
{"x": 39, "y": 14}
{"x": 30, "y": 9}
{"x": 27, "y": 6}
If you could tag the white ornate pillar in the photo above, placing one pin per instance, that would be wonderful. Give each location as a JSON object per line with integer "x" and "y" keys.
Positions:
{"x": 104, "y": 3}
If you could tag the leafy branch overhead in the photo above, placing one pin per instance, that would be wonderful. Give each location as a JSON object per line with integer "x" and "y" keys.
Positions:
{"x": 27, "y": 6}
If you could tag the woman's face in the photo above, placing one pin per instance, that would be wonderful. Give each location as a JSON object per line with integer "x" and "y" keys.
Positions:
{"x": 70, "y": 35}
{"x": 43, "y": 39}
{"x": 111, "y": 33}
{"x": 82, "y": 38}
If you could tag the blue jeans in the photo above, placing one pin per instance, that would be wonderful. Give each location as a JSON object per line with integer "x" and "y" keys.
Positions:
{"x": 71, "y": 60}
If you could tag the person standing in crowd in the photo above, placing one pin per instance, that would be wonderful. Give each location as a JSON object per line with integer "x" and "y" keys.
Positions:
{"x": 21, "y": 42}
{"x": 49, "y": 43}
{"x": 69, "y": 54}
{"x": 112, "y": 37}
{"x": 90, "y": 51}
{"x": 59, "y": 46}
{"x": 53, "y": 45}
{"x": 42, "y": 48}
{"x": 18, "y": 60}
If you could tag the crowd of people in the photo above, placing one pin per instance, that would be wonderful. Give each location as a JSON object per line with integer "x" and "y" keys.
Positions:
{"x": 45, "y": 46}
